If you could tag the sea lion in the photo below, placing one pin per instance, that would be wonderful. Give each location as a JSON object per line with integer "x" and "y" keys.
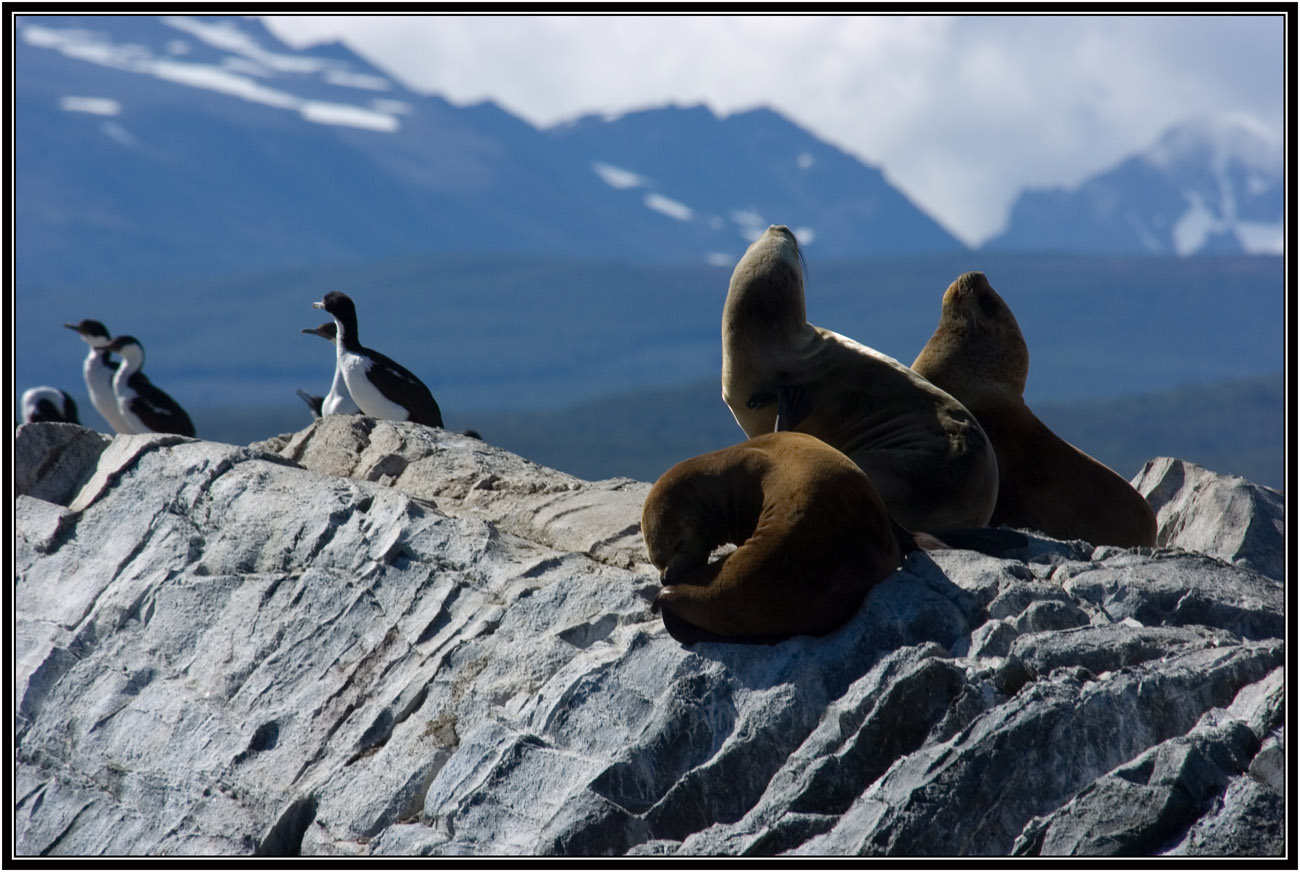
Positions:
{"x": 978, "y": 355}
{"x": 814, "y": 537}
{"x": 923, "y": 451}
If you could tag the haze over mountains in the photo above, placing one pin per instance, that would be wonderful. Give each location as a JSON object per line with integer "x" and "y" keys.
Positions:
{"x": 197, "y": 183}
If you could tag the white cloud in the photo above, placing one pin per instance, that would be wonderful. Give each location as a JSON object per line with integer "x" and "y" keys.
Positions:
{"x": 961, "y": 112}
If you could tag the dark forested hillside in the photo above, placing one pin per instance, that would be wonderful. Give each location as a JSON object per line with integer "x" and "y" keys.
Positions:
{"x": 1233, "y": 427}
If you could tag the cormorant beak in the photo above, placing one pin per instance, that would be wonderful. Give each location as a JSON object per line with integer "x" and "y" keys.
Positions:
{"x": 318, "y": 305}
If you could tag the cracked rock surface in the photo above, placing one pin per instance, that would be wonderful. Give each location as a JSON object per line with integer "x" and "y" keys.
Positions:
{"x": 372, "y": 637}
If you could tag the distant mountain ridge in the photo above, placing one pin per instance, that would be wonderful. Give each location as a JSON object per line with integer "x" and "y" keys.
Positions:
{"x": 702, "y": 169}
{"x": 197, "y": 146}
{"x": 181, "y": 146}
{"x": 1209, "y": 186}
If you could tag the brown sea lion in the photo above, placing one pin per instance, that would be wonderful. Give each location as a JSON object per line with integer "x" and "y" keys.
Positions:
{"x": 813, "y": 533}
{"x": 923, "y": 451}
{"x": 978, "y": 355}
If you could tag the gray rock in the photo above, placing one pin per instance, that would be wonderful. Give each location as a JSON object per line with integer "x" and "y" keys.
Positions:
{"x": 374, "y": 637}
{"x": 50, "y": 460}
{"x": 1224, "y": 516}
{"x": 1177, "y": 792}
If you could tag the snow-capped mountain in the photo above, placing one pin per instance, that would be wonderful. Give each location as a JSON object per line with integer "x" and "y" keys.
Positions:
{"x": 1205, "y": 187}
{"x": 160, "y": 146}
{"x": 702, "y": 170}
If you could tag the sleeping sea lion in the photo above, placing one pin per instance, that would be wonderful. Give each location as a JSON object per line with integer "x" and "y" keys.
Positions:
{"x": 814, "y": 537}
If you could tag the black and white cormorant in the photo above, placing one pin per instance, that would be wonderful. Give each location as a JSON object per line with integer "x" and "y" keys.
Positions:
{"x": 145, "y": 408}
{"x": 381, "y": 387}
{"x": 313, "y": 402}
{"x": 98, "y": 370}
{"x": 48, "y": 404}
{"x": 338, "y": 401}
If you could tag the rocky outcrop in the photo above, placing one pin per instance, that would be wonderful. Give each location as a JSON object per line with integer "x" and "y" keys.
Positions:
{"x": 378, "y": 638}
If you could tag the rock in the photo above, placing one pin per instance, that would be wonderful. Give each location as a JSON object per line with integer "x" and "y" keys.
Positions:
{"x": 373, "y": 637}
{"x": 1164, "y": 794}
{"x": 49, "y": 461}
{"x": 1224, "y": 516}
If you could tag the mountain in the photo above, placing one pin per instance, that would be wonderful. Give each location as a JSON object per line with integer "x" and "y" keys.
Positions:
{"x": 166, "y": 146}
{"x": 1205, "y": 187}
{"x": 701, "y": 170}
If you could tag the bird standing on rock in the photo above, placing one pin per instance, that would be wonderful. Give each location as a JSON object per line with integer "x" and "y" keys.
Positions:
{"x": 145, "y": 408}
{"x": 338, "y": 401}
{"x": 98, "y": 371}
{"x": 381, "y": 387}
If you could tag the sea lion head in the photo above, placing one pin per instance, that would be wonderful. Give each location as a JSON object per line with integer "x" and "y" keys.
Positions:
{"x": 766, "y": 290}
{"x": 699, "y": 504}
{"x": 977, "y": 339}
{"x": 676, "y": 543}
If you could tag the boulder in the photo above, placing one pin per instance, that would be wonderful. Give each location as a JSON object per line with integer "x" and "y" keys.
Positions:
{"x": 1224, "y": 516}
{"x": 373, "y": 637}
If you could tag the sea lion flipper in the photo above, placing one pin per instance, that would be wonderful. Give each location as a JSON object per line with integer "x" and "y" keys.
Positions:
{"x": 792, "y": 406}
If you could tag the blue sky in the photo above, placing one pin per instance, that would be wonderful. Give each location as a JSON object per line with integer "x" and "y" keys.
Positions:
{"x": 961, "y": 112}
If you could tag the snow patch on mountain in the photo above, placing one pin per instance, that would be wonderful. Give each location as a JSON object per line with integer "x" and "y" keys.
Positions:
{"x": 617, "y": 177}
{"x": 750, "y": 224}
{"x": 670, "y": 207}
{"x": 348, "y": 116}
{"x": 1218, "y": 142}
{"x": 119, "y": 134}
{"x": 392, "y": 107}
{"x": 1212, "y": 185}
{"x": 225, "y": 36}
{"x": 236, "y": 76}
{"x": 1195, "y": 225}
{"x": 364, "y": 81}
{"x": 90, "y": 105}
{"x": 1258, "y": 237}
